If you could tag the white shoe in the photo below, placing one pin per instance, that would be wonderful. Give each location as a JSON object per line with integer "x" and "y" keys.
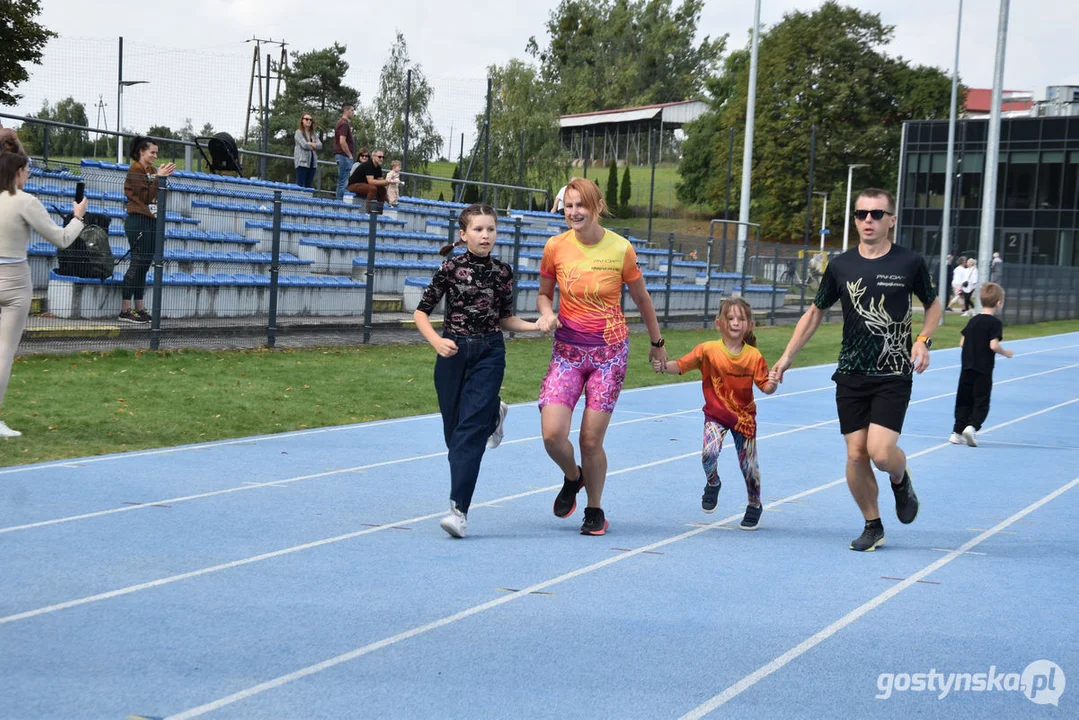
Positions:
{"x": 970, "y": 435}
{"x": 455, "y": 523}
{"x": 957, "y": 439}
{"x": 496, "y": 437}
{"x": 5, "y": 431}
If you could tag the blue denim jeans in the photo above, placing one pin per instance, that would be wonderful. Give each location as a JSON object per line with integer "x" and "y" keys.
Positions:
{"x": 467, "y": 385}
{"x": 344, "y": 166}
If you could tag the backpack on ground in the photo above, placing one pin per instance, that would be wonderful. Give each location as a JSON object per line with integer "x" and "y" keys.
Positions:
{"x": 90, "y": 255}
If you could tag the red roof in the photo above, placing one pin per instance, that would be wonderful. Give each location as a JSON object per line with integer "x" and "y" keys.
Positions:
{"x": 981, "y": 100}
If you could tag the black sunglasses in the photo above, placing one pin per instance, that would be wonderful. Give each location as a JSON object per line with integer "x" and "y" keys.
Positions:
{"x": 875, "y": 214}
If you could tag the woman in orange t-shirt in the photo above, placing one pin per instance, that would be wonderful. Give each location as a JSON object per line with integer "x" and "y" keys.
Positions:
{"x": 589, "y": 264}
{"x": 730, "y": 367}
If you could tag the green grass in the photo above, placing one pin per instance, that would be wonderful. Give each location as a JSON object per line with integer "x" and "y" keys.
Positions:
{"x": 92, "y": 404}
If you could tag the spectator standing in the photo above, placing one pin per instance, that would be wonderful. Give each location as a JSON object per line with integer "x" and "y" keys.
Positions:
{"x": 344, "y": 147}
{"x": 304, "y": 155}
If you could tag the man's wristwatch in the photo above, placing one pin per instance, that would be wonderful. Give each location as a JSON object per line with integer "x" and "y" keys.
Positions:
{"x": 927, "y": 340}
{"x": 659, "y": 343}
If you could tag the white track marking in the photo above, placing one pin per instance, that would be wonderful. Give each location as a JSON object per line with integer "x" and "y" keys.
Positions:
{"x": 809, "y": 643}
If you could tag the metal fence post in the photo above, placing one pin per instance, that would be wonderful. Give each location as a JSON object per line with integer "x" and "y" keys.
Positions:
{"x": 159, "y": 261}
{"x": 45, "y": 146}
{"x": 775, "y": 285}
{"x": 622, "y": 297}
{"x": 670, "y": 268}
{"x": 516, "y": 260}
{"x": 707, "y": 276}
{"x": 369, "y": 276}
{"x": 275, "y": 264}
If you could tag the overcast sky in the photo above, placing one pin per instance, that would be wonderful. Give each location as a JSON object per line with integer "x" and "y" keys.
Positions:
{"x": 454, "y": 43}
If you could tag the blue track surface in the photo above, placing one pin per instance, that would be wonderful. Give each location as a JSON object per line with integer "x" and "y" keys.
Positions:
{"x": 304, "y": 575}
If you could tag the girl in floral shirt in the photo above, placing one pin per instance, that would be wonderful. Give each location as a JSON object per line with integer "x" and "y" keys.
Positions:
{"x": 471, "y": 358}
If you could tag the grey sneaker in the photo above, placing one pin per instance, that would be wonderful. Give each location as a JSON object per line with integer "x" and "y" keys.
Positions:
{"x": 496, "y": 437}
{"x": 957, "y": 439}
{"x": 906, "y": 502}
{"x": 710, "y": 498}
{"x": 970, "y": 435}
{"x": 872, "y": 537}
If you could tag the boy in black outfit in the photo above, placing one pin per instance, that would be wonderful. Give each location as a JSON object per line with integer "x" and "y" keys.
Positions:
{"x": 980, "y": 343}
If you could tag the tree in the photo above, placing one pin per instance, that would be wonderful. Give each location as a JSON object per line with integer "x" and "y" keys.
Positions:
{"x": 522, "y": 104}
{"x": 612, "y": 187}
{"x": 22, "y": 39}
{"x": 606, "y": 54}
{"x": 625, "y": 195}
{"x": 314, "y": 83}
{"x": 825, "y": 68}
{"x": 63, "y": 142}
{"x": 388, "y": 110}
{"x": 207, "y": 130}
{"x": 186, "y": 131}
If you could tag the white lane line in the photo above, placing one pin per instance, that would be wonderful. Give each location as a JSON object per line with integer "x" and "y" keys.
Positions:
{"x": 284, "y": 481}
{"x": 809, "y": 643}
{"x": 477, "y": 609}
{"x": 79, "y": 462}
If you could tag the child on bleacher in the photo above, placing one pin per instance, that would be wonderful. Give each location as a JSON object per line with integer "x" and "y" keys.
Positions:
{"x": 730, "y": 367}
{"x": 394, "y": 178}
{"x": 471, "y": 360}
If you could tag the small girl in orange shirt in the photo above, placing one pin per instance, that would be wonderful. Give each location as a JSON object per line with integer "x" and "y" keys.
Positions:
{"x": 730, "y": 367}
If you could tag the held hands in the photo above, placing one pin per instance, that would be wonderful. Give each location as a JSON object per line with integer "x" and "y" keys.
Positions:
{"x": 775, "y": 375}
{"x": 919, "y": 357}
{"x": 658, "y": 357}
{"x": 446, "y": 347}
{"x": 548, "y": 323}
{"x": 166, "y": 169}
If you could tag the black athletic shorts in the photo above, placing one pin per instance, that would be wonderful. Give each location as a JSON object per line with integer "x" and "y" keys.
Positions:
{"x": 877, "y": 399}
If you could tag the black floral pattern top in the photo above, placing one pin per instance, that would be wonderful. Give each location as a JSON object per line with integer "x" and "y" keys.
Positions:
{"x": 478, "y": 291}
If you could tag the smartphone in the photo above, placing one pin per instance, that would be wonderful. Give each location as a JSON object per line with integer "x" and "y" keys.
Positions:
{"x": 80, "y": 191}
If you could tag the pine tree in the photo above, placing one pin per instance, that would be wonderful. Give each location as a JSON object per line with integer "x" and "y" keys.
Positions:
{"x": 612, "y": 187}
{"x": 625, "y": 195}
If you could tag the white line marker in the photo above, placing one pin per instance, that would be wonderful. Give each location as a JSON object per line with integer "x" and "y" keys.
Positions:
{"x": 809, "y": 643}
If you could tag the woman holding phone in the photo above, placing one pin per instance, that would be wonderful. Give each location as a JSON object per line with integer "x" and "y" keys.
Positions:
{"x": 140, "y": 189}
{"x": 20, "y": 211}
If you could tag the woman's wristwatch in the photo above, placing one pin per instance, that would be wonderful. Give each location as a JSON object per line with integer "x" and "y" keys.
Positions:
{"x": 925, "y": 339}
{"x": 658, "y": 343}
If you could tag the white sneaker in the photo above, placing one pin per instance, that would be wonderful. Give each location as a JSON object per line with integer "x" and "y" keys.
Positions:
{"x": 957, "y": 439}
{"x": 970, "y": 435}
{"x": 5, "y": 431}
{"x": 496, "y": 437}
{"x": 455, "y": 523}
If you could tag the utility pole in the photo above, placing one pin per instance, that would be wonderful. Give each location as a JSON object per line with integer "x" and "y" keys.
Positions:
{"x": 101, "y": 117}
{"x": 257, "y": 76}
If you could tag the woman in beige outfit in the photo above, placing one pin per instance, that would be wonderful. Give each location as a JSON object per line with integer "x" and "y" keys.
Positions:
{"x": 18, "y": 213}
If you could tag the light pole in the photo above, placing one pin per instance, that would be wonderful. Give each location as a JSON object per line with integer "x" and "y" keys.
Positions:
{"x": 846, "y": 215}
{"x": 823, "y": 218}
{"x": 119, "y": 114}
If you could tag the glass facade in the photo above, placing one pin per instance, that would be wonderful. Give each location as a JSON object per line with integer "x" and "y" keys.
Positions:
{"x": 1037, "y": 188}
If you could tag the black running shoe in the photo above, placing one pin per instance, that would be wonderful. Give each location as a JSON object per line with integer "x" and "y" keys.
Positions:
{"x": 751, "y": 520}
{"x": 710, "y": 498}
{"x": 872, "y": 537}
{"x": 906, "y": 502}
{"x": 566, "y": 501}
{"x": 594, "y": 522}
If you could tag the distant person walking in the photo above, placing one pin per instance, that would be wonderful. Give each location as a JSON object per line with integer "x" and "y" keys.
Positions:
{"x": 304, "y": 155}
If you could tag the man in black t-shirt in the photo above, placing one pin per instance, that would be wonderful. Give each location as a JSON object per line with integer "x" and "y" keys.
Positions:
{"x": 980, "y": 343}
{"x": 367, "y": 181}
{"x": 874, "y": 282}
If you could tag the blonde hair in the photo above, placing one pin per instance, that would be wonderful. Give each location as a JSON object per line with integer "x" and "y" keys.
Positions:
{"x": 747, "y": 312}
{"x": 991, "y": 295}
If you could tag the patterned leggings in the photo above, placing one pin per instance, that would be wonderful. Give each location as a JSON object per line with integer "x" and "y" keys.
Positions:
{"x": 746, "y": 447}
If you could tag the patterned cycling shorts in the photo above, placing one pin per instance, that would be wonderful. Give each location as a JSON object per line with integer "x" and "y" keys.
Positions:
{"x": 599, "y": 371}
